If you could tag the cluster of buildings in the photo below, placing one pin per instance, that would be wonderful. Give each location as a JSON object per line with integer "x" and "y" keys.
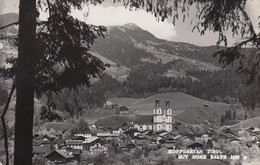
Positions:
{"x": 153, "y": 132}
{"x": 63, "y": 150}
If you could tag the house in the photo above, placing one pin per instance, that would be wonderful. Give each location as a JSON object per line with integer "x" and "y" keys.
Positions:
{"x": 256, "y": 131}
{"x": 149, "y": 133}
{"x": 75, "y": 152}
{"x": 59, "y": 142}
{"x": 250, "y": 129}
{"x": 84, "y": 132}
{"x": 75, "y": 144}
{"x": 143, "y": 123}
{"x": 164, "y": 133}
{"x": 170, "y": 140}
{"x": 128, "y": 125}
{"x": 157, "y": 139}
{"x": 143, "y": 127}
{"x": 123, "y": 108}
{"x": 131, "y": 133}
{"x": 229, "y": 130}
{"x": 125, "y": 146}
{"x": 42, "y": 143}
{"x": 95, "y": 145}
{"x": 41, "y": 150}
{"x": 195, "y": 145}
{"x": 116, "y": 130}
{"x": 104, "y": 134}
{"x": 162, "y": 140}
{"x": 100, "y": 128}
{"x": 114, "y": 106}
{"x": 139, "y": 137}
{"x": 202, "y": 137}
{"x": 140, "y": 143}
{"x": 59, "y": 157}
{"x": 80, "y": 138}
{"x": 42, "y": 140}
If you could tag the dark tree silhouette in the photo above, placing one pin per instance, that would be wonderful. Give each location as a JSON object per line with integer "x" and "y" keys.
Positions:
{"x": 222, "y": 120}
{"x": 234, "y": 115}
{"x": 245, "y": 117}
{"x": 51, "y": 56}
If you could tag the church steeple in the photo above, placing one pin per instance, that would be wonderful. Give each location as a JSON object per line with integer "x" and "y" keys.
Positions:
{"x": 162, "y": 118}
{"x": 157, "y": 103}
{"x": 167, "y": 104}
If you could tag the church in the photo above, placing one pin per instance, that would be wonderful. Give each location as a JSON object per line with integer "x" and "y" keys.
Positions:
{"x": 162, "y": 118}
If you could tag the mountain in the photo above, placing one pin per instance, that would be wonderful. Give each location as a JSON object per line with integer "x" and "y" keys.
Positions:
{"x": 131, "y": 47}
{"x": 128, "y": 46}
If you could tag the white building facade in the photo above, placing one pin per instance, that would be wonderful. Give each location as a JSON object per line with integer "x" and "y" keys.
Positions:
{"x": 162, "y": 118}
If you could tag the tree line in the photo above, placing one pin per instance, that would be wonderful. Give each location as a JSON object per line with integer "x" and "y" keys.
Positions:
{"x": 147, "y": 80}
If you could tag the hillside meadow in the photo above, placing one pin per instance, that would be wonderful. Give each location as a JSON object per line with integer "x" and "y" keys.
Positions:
{"x": 186, "y": 108}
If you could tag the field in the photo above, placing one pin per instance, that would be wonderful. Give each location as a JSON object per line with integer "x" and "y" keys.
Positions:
{"x": 185, "y": 107}
{"x": 59, "y": 126}
{"x": 118, "y": 72}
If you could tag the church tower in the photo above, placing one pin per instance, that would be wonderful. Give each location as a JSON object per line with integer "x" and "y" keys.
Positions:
{"x": 162, "y": 118}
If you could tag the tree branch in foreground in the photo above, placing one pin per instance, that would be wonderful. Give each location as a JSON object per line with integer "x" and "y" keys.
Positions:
{"x": 8, "y": 37}
{"x": 4, "y": 125}
{"x": 14, "y": 23}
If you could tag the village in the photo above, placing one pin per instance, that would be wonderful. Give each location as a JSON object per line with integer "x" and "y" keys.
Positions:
{"x": 160, "y": 132}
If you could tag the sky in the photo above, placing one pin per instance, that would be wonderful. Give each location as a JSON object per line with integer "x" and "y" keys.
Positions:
{"x": 110, "y": 14}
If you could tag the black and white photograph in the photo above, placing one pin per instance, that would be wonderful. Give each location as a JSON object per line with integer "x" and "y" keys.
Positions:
{"x": 130, "y": 82}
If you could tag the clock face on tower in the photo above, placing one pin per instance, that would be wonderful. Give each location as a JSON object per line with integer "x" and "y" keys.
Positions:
{"x": 164, "y": 117}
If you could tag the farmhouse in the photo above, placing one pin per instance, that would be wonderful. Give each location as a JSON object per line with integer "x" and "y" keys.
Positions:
{"x": 75, "y": 144}
{"x": 41, "y": 150}
{"x": 95, "y": 145}
{"x": 86, "y": 133}
{"x": 59, "y": 156}
{"x": 125, "y": 146}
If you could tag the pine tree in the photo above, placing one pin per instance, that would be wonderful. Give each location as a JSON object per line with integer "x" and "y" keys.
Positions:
{"x": 234, "y": 115}
{"x": 222, "y": 120}
{"x": 52, "y": 55}
{"x": 245, "y": 116}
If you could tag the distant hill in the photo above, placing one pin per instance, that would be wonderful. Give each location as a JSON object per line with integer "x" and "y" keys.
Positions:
{"x": 6, "y": 19}
{"x": 186, "y": 108}
{"x": 130, "y": 46}
{"x": 112, "y": 121}
{"x": 59, "y": 126}
{"x": 118, "y": 72}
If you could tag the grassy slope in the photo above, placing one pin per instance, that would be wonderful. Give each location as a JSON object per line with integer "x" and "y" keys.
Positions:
{"x": 92, "y": 115}
{"x": 10, "y": 114}
{"x": 253, "y": 122}
{"x": 185, "y": 107}
{"x": 59, "y": 126}
{"x": 118, "y": 72}
{"x": 112, "y": 121}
